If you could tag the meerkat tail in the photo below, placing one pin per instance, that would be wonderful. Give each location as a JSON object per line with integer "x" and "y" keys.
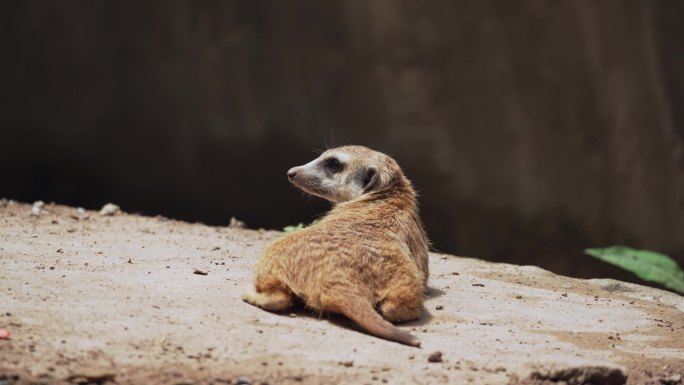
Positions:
{"x": 362, "y": 313}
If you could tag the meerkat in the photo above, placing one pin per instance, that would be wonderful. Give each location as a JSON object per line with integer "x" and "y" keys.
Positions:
{"x": 369, "y": 252}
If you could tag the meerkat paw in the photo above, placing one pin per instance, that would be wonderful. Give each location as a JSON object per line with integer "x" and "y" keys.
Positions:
{"x": 397, "y": 312}
{"x": 249, "y": 297}
{"x": 271, "y": 301}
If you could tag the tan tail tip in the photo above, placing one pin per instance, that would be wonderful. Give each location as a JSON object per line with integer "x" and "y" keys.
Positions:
{"x": 410, "y": 341}
{"x": 403, "y": 337}
{"x": 415, "y": 342}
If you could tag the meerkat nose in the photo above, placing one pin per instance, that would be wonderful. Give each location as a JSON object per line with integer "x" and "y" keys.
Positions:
{"x": 291, "y": 174}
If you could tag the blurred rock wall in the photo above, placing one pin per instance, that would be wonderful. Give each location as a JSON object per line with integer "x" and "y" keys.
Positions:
{"x": 532, "y": 129}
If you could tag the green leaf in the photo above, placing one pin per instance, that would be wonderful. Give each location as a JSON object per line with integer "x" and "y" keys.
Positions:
{"x": 299, "y": 226}
{"x": 647, "y": 265}
{"x": 290, "y": 229}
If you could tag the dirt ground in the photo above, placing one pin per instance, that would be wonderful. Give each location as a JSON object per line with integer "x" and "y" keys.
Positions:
{"x": 93, "y": 299}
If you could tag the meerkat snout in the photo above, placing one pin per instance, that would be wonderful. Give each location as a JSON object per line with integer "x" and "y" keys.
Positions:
{"x": 291, "y": 174}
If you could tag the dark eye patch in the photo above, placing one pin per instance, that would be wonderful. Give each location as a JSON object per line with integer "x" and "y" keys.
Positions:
{"x": 333, "y": 164}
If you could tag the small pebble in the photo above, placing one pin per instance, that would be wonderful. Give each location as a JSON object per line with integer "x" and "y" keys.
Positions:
{"x": 435, "y": 357}
{"x": 37, "y": 208}
{"x": 243, "y": 381}
{"x": 110, "y": 209}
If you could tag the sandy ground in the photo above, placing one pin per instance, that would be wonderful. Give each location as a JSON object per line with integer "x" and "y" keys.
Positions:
{"x": 114, "y": 299}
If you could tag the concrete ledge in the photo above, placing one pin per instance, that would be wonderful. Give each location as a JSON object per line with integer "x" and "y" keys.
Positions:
{"x": 113, "y": 299}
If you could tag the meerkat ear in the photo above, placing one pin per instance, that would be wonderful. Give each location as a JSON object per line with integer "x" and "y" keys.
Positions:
{"x": 370, "y": 179}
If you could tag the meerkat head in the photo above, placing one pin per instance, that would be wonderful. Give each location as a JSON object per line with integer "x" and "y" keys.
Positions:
{"x": 345, "y": 173}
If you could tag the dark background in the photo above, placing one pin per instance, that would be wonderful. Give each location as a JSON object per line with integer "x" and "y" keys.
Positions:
{"x": 532, "y": 129}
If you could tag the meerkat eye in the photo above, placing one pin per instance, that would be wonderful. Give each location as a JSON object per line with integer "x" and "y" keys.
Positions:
{"x": 333, "y": 164}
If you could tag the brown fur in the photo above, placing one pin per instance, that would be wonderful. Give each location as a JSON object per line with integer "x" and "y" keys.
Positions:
{"x": 369, "y": 250}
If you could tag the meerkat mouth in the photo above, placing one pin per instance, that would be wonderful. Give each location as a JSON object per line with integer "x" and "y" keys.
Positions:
{"x": 311, "y": 187}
